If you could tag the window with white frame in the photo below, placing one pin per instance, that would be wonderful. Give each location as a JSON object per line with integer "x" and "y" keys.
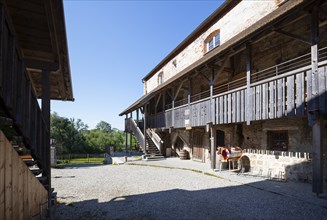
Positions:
{"x": 160, "y": 78}
{"x": 213, "y": 41}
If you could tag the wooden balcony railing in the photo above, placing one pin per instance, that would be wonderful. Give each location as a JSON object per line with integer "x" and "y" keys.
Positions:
{"x": 280, "y": 91}
{"x": 131, "y": 126}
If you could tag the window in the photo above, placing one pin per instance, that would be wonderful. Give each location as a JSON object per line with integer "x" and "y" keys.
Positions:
{"x": 278, "y": 140}
{"x": 160, "y": 78}
{"x": 213, "y": 40}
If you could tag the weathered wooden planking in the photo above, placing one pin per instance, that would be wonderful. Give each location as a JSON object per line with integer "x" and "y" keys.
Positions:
{"x": 15, "y": 176}
{"x": 299, "y": 99}
{"x": 272, "y": 98}
{"x": 315, "y": 90}
{"x": 279, "y": 98}
{"x": 233, "y": 107}
{"x": 20, "y": 188}
{"x": 265, "y": 101}
{"x": 212, "y": 111}
{"x": 257, "y": 102}
{"x": 322, "y": 89}
{"x": 221, "y": 110}
{"x": 26, "y": 195}
{"x": 238, "y": 106}
{"x": 249, "y": 105}
{"x": 2, "y": 178}
{"x": 290, "y": 96}
{"x": 229, "y": 108}
{"x": 243, "y": 101}
{"x": 8, "y": 181}
{"x": 225, "y": 109}
{"x": 217, "y": 110}
{"x": 309, "y": 91}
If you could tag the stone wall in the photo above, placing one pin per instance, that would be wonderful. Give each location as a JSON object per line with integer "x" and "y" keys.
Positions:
{"x": 229, "y": 25}
{"x": 294, "y": 164}
{"x": 276, "y": 164}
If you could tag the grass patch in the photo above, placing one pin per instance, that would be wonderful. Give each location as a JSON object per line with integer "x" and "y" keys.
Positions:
{"x": 96, "y": 160}
{"x": 61, "y": 164}
{"x": 213, "y": 175}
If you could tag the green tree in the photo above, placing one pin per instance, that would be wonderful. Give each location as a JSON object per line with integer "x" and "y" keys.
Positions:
{"x": 103, "y": 126}
{"x": 65, "y": 134}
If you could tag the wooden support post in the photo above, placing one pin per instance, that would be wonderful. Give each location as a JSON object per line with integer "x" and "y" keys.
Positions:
{"x": 46, "y": 116}
{"x": 189, "y": 91}
{"x": 173, "y": 109}
{"x": 137, "y": 117}
{"x": 313, "y": 108}
{"x": 144, "y": 127}
{"x": 126, "y": 136}
{"x": 317, "y": 159}
{"x": 130, "y": 136}
{"x": 248, "y": 87}
{"x": 212, "y": 147}
{"x": 211, "y": 112}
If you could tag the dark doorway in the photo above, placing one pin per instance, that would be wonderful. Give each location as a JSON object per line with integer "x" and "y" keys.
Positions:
{"x": 220, "y": 138}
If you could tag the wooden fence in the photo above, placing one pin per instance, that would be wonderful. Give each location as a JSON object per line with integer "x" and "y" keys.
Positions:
{"x": 75, "y": 156}
{"x": 22, "y": 196}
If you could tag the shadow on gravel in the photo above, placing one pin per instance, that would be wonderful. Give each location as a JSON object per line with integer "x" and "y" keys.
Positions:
{"x": 235, "y": 202}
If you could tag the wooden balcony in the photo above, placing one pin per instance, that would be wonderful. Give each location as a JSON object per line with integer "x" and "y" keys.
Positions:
{"x": 285, "y": 90}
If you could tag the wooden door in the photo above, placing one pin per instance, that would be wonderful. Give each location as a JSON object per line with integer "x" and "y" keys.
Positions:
{"x": 198, "y": 148}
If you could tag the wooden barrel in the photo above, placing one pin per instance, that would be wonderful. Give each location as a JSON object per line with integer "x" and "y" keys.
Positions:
{"x": 183, "y": 154}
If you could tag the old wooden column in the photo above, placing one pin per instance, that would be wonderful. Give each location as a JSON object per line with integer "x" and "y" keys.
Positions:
{"x": 248, "y": 87}
{"x": 130, "y": 136}
{"x": 46, "y": 118}
{"x": 137, "y": 117}
{"x": 210, "y": 123}
{"x": 144, "y": 128}
{"x": 173, "y": 110}
{"x": 126, "y": 133}
{"x": 313, "y": 107}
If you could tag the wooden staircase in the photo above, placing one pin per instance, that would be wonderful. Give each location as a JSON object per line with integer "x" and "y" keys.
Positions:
{"x": 152, "y": 152}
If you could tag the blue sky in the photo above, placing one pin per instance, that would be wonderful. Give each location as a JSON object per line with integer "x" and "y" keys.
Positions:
{"x": 114, "y": 44}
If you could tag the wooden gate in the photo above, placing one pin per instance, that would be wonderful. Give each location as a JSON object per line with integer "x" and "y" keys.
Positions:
{"x": 198, "y": 148}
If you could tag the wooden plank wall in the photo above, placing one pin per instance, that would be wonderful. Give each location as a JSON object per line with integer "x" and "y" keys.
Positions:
{"x": 230, "y": 108}
{"x": 22, "y": 196}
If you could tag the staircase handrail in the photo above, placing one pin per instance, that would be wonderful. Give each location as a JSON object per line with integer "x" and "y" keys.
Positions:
{"x": 137, "y": 132}
{"x": 155, "y": 138}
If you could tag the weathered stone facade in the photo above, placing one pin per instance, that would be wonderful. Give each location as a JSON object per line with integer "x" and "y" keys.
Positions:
{"x": 229, "y": 25}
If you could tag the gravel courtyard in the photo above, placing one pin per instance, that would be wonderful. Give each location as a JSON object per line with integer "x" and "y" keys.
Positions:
{"x": 144, "y": 192}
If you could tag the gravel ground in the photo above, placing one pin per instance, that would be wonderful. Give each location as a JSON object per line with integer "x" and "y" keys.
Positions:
{"x": 143, "y": 192}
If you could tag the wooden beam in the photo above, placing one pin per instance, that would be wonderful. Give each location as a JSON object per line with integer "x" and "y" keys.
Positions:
{"x": 294, "y": 36}
{"x": 157, "y": 103}
{"x": 41, "y": 65}
{"x": 178, "y": 89}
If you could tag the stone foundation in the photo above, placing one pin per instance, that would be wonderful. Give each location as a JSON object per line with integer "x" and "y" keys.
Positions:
{"x": 295, "y": 166}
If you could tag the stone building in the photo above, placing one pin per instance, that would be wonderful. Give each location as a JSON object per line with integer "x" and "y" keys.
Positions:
{"x": 252, "y": 75}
